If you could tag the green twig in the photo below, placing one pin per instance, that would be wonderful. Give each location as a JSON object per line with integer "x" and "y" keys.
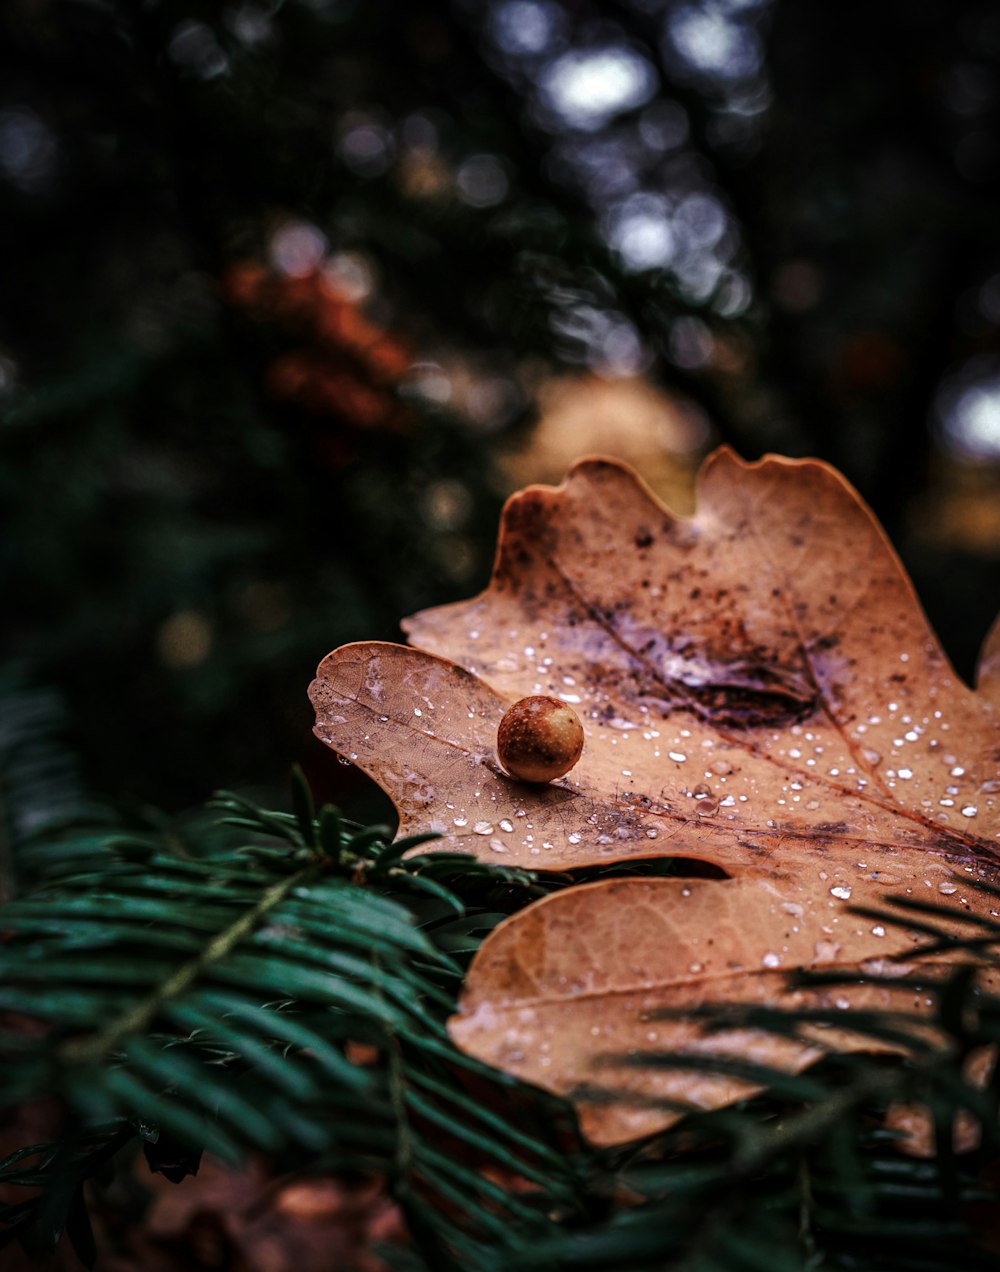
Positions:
{"x": 139, "y": 1016}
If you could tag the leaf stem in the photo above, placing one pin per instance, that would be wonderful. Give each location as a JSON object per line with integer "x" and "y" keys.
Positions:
{"x": 403, "y": 1163}
{"x": 807, "y": 1238}
{"x": 809, "y": 1125}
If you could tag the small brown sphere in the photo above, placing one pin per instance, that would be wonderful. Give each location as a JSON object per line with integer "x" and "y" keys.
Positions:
{"x": 539, "y": 739}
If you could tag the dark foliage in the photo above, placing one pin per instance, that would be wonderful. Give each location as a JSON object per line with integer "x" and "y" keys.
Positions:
{"x": 786, "y": 216}
{"x": 252, "y": 980}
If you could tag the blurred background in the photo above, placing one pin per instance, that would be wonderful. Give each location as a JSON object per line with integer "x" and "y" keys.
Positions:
{"x": 294, "y": 292}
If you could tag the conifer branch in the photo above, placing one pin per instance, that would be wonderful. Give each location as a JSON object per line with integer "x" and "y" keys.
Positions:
{"x": 141, "y": 1014}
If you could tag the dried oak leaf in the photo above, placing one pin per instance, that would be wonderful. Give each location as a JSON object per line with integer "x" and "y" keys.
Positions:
{"x": 760, "y": 691}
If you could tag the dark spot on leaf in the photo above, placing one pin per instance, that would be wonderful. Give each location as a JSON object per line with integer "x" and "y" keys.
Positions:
{"x": 750, "y": 697}
{"x": 824, "y": 642}
{"x": 752, "y": 846}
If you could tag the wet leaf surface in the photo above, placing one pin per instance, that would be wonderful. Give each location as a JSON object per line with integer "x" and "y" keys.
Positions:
{"x": 759, "y": 690}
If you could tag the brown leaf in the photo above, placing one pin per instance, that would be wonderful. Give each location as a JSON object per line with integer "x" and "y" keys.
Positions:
{"x": 246, "y": 1219}
{"x": 988, "y": 674}
{"x": 760, "y": 690}
{"x": 571, "y": 992}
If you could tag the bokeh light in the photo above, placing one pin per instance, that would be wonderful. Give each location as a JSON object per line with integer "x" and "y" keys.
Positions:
{"x": 968, "y": 411}
{"x": 586, "y": 88}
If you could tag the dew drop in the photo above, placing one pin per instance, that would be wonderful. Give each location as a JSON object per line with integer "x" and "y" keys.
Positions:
{"x": 826, "y": 951}
{"x": 886, "y": 967}
{"x": 677, "y": 756}
{"x": 771, "y": 959}
{"x": 905, "y": 774}
{"x": 483, "y": 828}
{"x": 461, "y": 821}
{"x": 506, "y": 825}
{"x": 574, "y": 838}
{"x": 706, "y": 807}
{"x": 417, "y": 711}
{"x": 969, "y": 810}
{"x": 878, "y": 930}
{"x": 947, "y": 888}
{"x": 342, "y": 759}
{"x": 841, "y": 891}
